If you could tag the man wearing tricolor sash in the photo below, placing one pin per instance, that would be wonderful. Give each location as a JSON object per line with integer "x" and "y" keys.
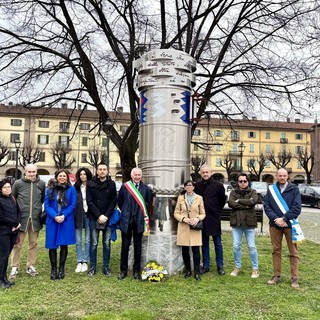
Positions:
{"x": 134, "y": 201}
{"x": 283, "y": 204}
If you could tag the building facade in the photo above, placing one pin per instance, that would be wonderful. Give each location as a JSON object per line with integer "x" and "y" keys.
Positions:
{"x": 240, "y": 141}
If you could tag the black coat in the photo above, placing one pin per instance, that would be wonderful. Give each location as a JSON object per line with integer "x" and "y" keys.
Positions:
{"x": 101, "y": 198}
{"x": 9, "y": 214}
{"x": 213, "y": 194}
{"x": 78, "y": 211}
{"x": 128, "y": 205}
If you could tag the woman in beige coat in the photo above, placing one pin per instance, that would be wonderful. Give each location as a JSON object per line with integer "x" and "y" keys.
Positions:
{"x": 189, "y": 211}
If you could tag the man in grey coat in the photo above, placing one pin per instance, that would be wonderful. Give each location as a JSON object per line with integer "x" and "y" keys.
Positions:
{"x": 29, "y": 192}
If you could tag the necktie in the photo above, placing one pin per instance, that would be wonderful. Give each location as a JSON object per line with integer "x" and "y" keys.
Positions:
{"x": 137, "y": 185}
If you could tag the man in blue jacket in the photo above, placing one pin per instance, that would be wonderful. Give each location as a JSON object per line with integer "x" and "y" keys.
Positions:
{"x": 101, "y": 200}
{"x": 134, "y": 201}
{"x": 280, "y": 224}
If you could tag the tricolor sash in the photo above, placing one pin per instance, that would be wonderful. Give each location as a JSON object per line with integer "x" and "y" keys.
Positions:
{"x": 297, "y": 234}
{"x": 142, "y": 204}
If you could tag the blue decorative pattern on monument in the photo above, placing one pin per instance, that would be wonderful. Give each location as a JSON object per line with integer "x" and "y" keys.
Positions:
{"x": 143, "y": 101}
{"x": 186, "y": 107}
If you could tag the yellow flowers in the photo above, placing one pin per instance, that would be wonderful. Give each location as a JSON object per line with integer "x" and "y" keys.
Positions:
{"x": 153, "y": 272}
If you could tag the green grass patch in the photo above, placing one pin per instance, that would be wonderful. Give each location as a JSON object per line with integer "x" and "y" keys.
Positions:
{"x": 215, "y": 297}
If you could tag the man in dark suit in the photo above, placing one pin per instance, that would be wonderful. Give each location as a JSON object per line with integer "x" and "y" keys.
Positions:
{"x": 214, "y": 199}
{"x": 133, "y": 200}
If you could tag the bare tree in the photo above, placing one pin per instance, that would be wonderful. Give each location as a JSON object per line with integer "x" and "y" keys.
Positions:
{"x": 196, "y": 163}
{"x": 48, "y": 54}
{"x": 227, "y": 163}
{"x": 62, "y": 157}
{"x": 96, "y": 156}
{"x": 281, "y": 159}
{"x": 306, "y": 160}
{"x": 4, "y": 154}
{"x": 29, "y": 154}
{"x": 257, "y": 165}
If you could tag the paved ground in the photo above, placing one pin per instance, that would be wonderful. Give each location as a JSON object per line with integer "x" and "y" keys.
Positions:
{"x": 309, "y": 221}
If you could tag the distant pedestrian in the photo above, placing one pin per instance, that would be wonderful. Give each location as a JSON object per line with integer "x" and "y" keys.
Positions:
{"x": 29, "y": 192}
{"x": 9, "y": 226}
{"x": 243, "y": 220}
{"x": 282, "y": 204}
{"x": 60, "y": 202}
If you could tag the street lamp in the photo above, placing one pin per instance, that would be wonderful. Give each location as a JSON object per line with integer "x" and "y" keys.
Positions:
{"x": 108, "y": 127}
{"x": 17, "y": 144}
{"x": 241, "y": 148}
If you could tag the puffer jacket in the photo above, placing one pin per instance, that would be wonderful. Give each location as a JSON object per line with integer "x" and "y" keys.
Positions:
{"x": 30, "y": 196}
{"x": 9, "y": 215}
{"x": 243, "y": 204}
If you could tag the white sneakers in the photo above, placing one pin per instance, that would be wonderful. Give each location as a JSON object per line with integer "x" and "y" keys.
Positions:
{"x": 81, "y": 267}
{"x": 31, "y": 270}
{"x": 255, "y": 274}
{"x": 13, "y": 274}
{"x": 84, "y": 267}
{"x": 235, "y": 272}
{"x": 78, "y": 268}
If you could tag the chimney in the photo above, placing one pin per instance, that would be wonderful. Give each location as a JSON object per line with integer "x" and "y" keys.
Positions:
{"x": 64, "y": 105}
{"x": 43, "y": 103}
{"x": 297, "y": 120}
{"x": 79, "y": 106}
{"x": 288, "y": 119}
{"x": 120, "y": 110}
{"x": 254, "y": 118}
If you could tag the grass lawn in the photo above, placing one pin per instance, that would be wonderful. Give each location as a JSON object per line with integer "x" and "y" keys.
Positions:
{"x": 215, "y": 297}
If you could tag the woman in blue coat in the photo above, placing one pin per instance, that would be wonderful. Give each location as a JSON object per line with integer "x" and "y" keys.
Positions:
{"x": 59, "y": 204}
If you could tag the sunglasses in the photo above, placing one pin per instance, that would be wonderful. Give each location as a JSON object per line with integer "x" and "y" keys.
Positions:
{"x": 242, "y": 181}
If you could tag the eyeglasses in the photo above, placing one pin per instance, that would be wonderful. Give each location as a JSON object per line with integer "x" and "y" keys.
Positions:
{"x": 189, "y": 185}
{"x": 242, "y": 181}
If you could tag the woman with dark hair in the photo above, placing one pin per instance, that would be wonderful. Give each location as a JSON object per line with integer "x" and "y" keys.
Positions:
{"x": 189, "y": 211}
{"x": 9, "y": 227}
{"x": 81, "y": 219}
{"x": 59, "y": 204}
{"x": 243, "y": 220}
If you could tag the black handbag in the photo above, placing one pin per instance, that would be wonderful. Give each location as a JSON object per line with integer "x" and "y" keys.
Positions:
{"x": 198, "y": 226}
{"x": 101, "y": 226}
{"x": 43, "y": 217}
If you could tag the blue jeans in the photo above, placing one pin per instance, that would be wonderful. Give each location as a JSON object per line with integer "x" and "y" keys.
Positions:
{"x": 94, "y": 239}
{"x": 237, "y": 243}
{"x": 206, "y": 251}
{"x": 83, "y": 257}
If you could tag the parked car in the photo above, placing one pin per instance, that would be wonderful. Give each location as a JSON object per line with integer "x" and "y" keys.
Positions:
{"x": 261, "y": 188}
{"x": 310, "y": 195}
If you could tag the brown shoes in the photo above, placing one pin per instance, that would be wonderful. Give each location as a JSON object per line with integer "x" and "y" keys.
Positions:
{"x": 274, "y": 280}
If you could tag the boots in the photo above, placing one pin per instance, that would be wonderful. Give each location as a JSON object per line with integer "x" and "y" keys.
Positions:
{"x": 53, "y": 262}
{"x": 63, "y": 258}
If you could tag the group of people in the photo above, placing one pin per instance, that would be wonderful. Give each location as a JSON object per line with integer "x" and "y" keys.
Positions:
{"x": 85, "y": 209}
{"x": 205, "y": 200}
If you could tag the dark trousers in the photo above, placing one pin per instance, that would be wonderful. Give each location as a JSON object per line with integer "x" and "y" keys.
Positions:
{"x": 126, "y": 242}
{"x": 196, "y": 258}
{"x": 6, "y": 244}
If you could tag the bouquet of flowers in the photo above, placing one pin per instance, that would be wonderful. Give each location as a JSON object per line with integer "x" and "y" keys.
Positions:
{"x": 153, "y": 272}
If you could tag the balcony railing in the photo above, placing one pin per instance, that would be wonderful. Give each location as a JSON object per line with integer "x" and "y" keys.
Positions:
{"x": 283, "y": 140}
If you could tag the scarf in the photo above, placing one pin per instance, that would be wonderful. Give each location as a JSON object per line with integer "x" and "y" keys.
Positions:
{"x": 60, "y": 189}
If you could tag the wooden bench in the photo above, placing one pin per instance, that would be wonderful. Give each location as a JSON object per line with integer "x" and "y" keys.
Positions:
{"x": 225, "y": 215}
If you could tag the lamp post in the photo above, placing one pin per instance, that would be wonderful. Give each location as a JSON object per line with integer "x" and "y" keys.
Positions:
{"x": 108, "y": 127}
{"x": 17, "y": 144}
{"x": 241, "y": 148}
